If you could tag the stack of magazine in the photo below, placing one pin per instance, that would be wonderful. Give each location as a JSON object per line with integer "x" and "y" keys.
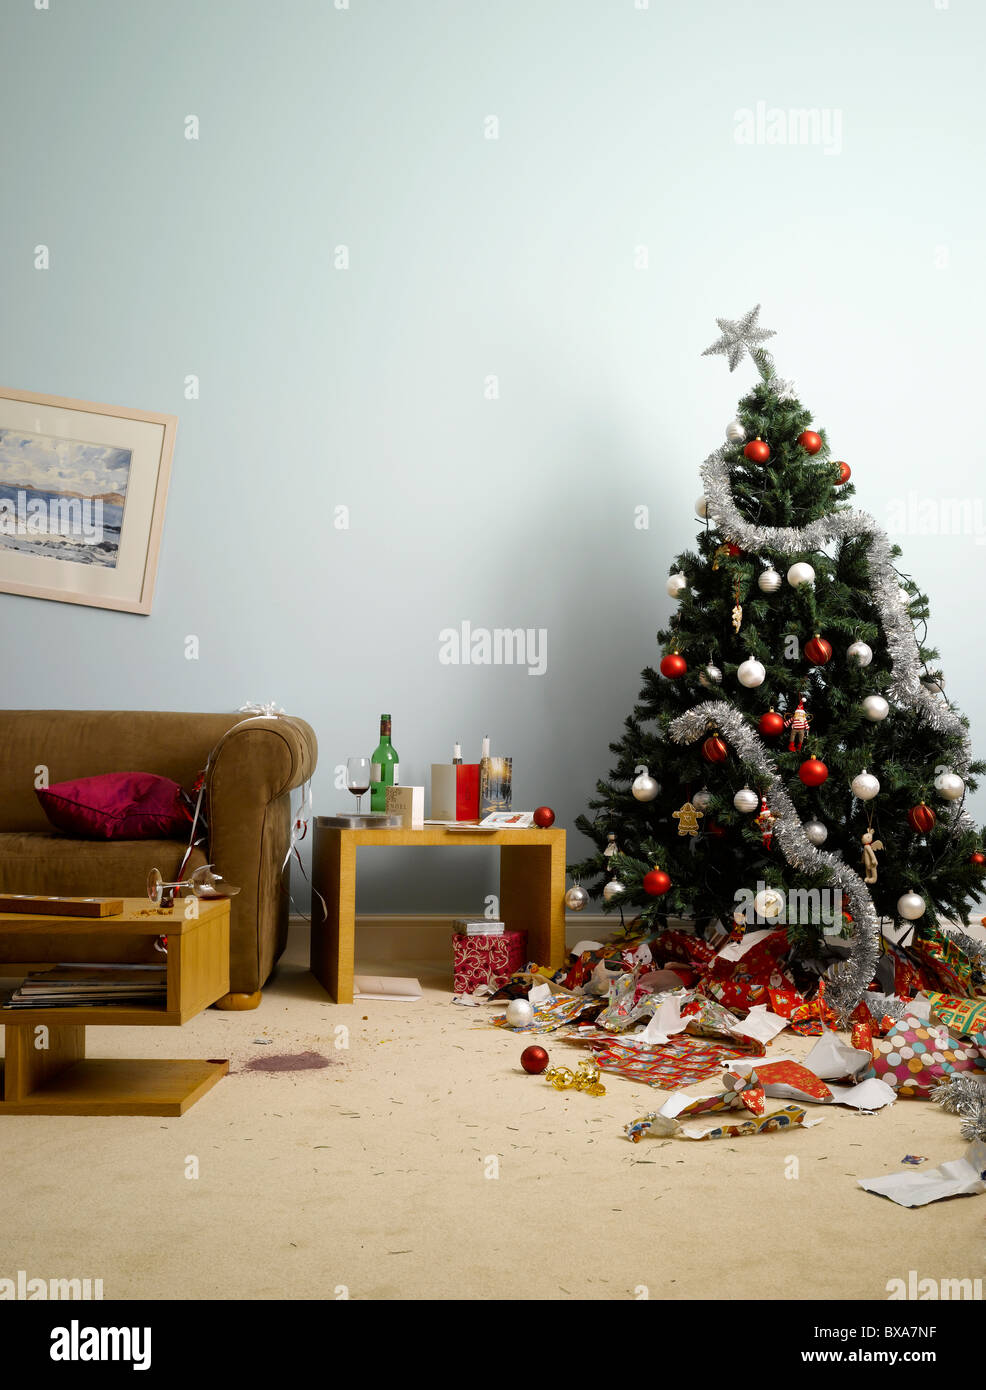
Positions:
{"x": 91, "y": 986}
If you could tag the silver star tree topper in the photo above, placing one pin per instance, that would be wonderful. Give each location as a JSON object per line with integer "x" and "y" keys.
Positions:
{"x": 739, "y": 336}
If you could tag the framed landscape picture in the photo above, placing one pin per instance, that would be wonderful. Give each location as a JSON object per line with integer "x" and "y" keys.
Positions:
{"x": 82, "y": 494}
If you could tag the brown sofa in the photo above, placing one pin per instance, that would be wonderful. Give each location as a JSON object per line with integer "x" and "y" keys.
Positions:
{"x": 256, "y": 764}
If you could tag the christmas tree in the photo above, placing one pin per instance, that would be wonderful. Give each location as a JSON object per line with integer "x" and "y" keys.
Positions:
{"x": 793, "y": 759}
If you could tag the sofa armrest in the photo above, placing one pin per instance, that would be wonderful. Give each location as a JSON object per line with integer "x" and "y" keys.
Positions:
{"x": 260, "y": 759}
{"x": 254, "y": 768}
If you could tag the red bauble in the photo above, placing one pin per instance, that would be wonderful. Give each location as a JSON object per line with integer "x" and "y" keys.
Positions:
{"x": 845, "y": 473}
{"x": 810, "y": 441}
{"x": 977, "y": 858}
{"x": 673, "y": 666}
{"x": 534, "y": 1060}
{"x": 656, "y": 883}
{"x": 818, "y": 651}
{"x": 544, "y": 817}
{"x": 771, "y": 724}
{"x": 757, "y": 451}
{"x": 813, "y": 772}
{"x": 921, "y": 818}
{"x": 732, "y": 549}
{"x": 714, "y": 750}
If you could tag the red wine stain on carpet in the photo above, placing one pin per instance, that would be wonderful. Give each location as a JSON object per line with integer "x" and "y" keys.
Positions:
{"x": 289, "y": 1061}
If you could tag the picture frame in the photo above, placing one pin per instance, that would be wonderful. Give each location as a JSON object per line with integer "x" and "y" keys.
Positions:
{"x": 83, "y": 490}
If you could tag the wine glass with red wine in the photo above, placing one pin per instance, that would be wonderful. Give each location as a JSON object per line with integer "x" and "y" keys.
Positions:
{"x": 358, "y": 779}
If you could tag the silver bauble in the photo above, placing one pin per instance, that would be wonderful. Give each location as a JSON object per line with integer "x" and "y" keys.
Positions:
{"x": 746, "y": 800}
{"x": 769, "y": 903}
{"x": 911, "y": 906}
{"x": 949, "y": 785}
{"x": 861, "y": 653}
{"x": 710, "y": 677}
{"x": 676, "y": 585}
{"x": 644, "y": 787}
{"x": 816, "y": 832}
{"x": 735, "y": 433}
{"x": 701, "y": 799}
{"x": 865, "y": 786}
{"x": 875, "y": 708}
{"x": 751, "y": 673}
{"x": 519, "y": 1013}
{"x": 769, "y": 581}
{"x": 702, "y": 507}
{"x": 800, "y": 573}
{"x": 576, "y": 898}
{"x": 613, "y": 889}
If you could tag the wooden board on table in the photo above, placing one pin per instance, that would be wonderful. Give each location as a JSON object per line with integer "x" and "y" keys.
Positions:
{"x": 60, "y": 907}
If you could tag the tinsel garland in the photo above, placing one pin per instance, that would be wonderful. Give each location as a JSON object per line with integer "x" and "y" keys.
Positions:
{"x": 905, "y": 686}
{"x": 852, "y": 976}
{"x": 963, "y": 1094}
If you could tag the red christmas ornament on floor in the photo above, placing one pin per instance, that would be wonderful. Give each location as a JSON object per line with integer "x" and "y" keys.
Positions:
{"x": 818, "y": 651}
{"x": 544, "y": 817}
{"x": 673, "y": 666}
{"x": 810, "y": 441}
{"x": 845, "y": 473}
{"x": 656, "y": 883}
{"x": 813, "y": 772}
{"x": 771, "y": 724}
{"x": 921, "y": 818}
{"x": 714, "y": 750}
{"x": 534, "y": 1060}
{"x": 757, "y": 451}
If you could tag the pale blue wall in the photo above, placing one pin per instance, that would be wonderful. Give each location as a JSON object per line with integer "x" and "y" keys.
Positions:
{"x": 471, "y": 257}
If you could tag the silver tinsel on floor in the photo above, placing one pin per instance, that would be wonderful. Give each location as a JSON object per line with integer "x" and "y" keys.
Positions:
{"x": 964, "y": 1095}
{"x": 852, "y": 976}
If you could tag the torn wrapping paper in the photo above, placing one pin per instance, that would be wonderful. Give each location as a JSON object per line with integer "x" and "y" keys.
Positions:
{"x": 662, "y": 1126}
{"x": 680, "y": 1062}
{"x": 747, "y": 968}
{"x": 962, "y": 1016}
{"x": 871, "y": 1094}
{"x": 942, "y": 958}
{"x": 792, "y": 1081}
{"x": 761, "y": 1024}
{"x": 961, "y": 1177}
{"x": 549, "y": 1015}
{"x": 665, "y": 1021}
{"x": 917, "y": 1055}
{"x": 739, "y": 1093}
{"x": 832, "y": 1058}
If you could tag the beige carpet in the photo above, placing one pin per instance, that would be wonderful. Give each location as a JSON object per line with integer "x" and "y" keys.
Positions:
{"x": 367, "y": 1177}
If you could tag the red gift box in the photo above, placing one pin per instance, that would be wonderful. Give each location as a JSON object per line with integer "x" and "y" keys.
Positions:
{"x": 486, "y": 960}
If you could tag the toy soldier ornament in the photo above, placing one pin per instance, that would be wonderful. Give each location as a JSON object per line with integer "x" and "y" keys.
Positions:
{"x": 611, "y": 846}
{"x": 798, "y": 723}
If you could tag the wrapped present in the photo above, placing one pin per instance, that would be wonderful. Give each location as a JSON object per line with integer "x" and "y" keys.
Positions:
{"x": 682, "y": 946}
{"x": 963, "y": 1016}
{"x": 908, "y": 979}
{"x": 486, "y": 960}
{"x": 918, "y": 1054}
{"x": 784, "y": 1001}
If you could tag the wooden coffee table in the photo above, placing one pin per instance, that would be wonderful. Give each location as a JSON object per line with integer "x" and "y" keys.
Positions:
{"x": 58, "y": 1078}
{"x": 532, "y": 890}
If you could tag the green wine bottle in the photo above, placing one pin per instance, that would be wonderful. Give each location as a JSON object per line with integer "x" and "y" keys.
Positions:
{"x": 384, "y": 767}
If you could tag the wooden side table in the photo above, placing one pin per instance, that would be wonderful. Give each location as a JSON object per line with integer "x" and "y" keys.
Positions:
{"x": 532, "y": 891}
{"x": 59, "y": 1079}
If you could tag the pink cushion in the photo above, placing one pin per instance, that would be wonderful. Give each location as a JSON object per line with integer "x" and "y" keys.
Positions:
{"x": 118, "y": 806}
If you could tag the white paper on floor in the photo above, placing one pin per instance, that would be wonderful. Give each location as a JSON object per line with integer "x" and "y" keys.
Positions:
{"x": 961, "y": 1177}
{"x": 831, "y": 1057}
{"x": 386, "y": 987}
